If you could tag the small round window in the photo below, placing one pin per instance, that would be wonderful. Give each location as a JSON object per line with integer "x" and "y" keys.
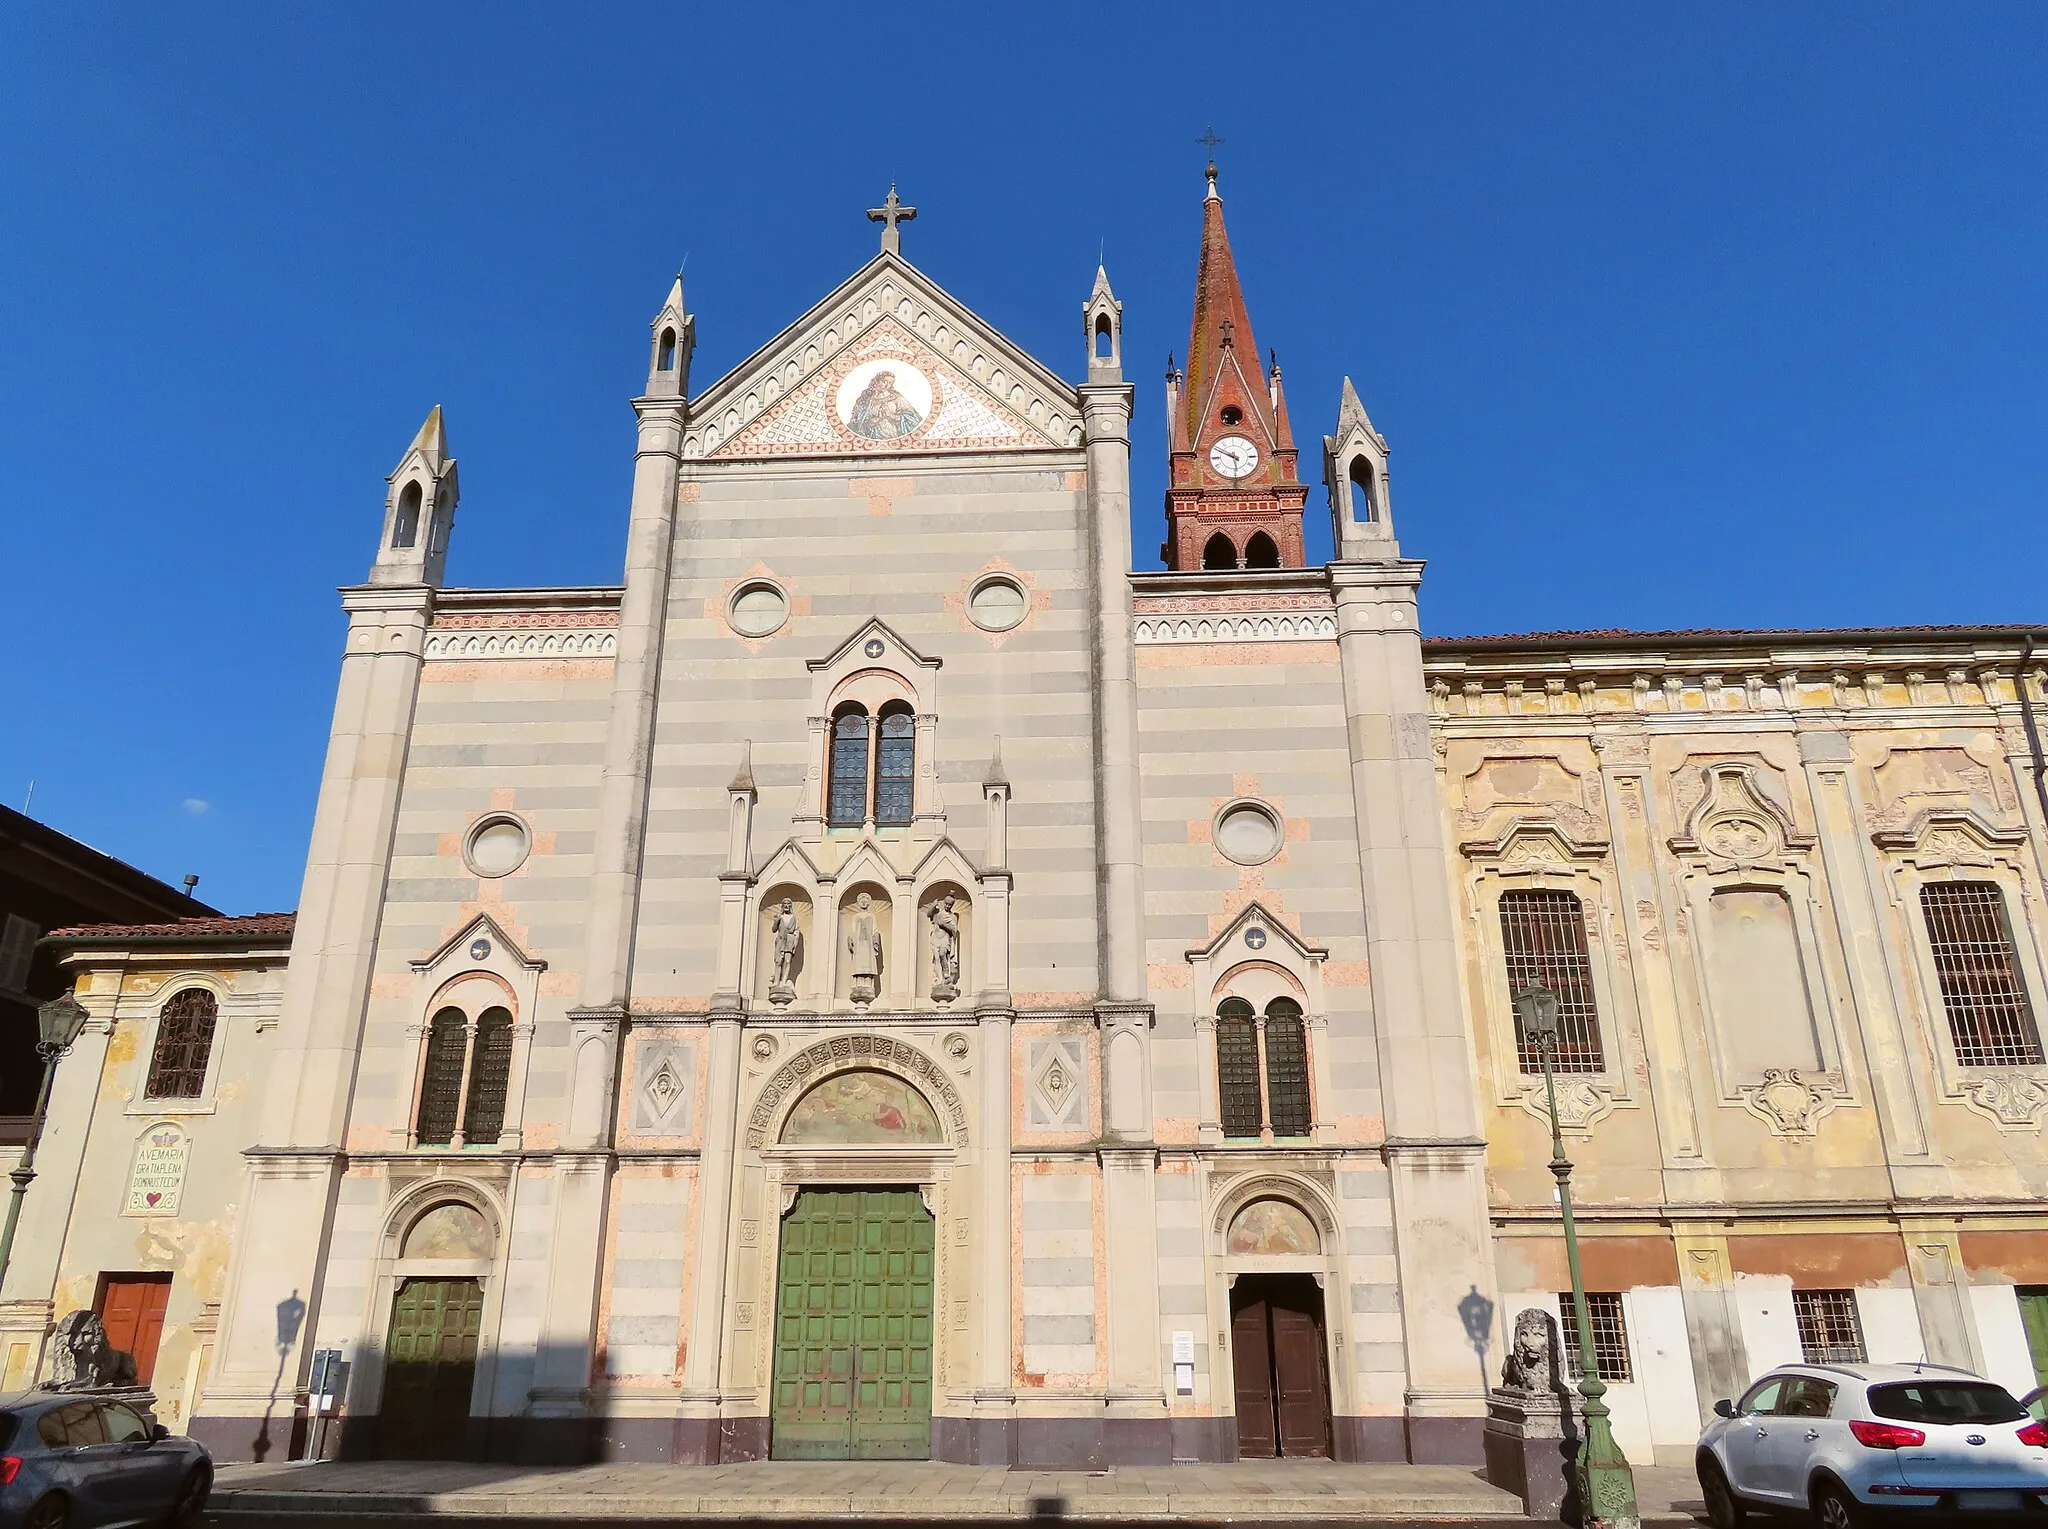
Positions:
{"x": 497, "y": 847}
{"x": 996, "y": 604}
{"x": 1248, "y": 832}
{"x": 757, "y": 610}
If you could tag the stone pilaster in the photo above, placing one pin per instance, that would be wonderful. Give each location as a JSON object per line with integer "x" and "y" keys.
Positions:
{"x": 704, "y": 1331}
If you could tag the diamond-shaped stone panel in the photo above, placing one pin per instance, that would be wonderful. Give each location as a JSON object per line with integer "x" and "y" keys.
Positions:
{"x": 1058, "y": 1094}
{"x": 664, "y": 1073}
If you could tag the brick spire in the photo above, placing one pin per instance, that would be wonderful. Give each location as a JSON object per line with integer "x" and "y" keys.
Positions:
{"x": 1225, "y": 397}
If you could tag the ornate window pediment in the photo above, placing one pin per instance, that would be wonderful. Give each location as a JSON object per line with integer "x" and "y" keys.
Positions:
{"x": 1536, "y": 844}
{"x": 1738, "y": 821}
{"x": 1951, "y": 836}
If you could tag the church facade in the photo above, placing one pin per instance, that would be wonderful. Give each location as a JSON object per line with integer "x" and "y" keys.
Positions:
{"x": 889, "y": 981}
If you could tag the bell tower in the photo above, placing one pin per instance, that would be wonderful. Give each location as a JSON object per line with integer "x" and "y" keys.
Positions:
{"x": 1233, "y": 496}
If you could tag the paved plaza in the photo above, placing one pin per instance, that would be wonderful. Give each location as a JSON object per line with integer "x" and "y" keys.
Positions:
{"x": 890, "y": 1491}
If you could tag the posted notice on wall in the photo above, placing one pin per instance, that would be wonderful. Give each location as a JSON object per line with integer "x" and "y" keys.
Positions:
{"x": 157, "y": 1181}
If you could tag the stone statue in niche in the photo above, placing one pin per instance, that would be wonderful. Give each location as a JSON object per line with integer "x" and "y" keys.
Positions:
{"x": 864, "y": 951}
{"x": 1532, "y": 1355}
{"x": 788, "y": 936}
{"x": 945, "y": 924}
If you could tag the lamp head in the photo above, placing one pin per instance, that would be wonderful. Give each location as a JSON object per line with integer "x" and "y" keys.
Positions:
{"x": 1536, "y": 1014}
{"x": 61, "y": 1020}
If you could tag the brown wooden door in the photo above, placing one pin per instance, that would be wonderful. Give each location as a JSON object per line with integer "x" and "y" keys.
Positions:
{"x": 131, "y": 1308}
{"x": 1251, "y": 1361}
{"x": 1282, "y": 1376}
{"x": 430, "y": 1368}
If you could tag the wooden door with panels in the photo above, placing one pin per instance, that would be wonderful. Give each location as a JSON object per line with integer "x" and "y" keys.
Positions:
{"x": 430, "y": 1368}
{"x": 853, "y": 1327}
{"x": 1279, "y": 1362}
{"x": 131, "y": 1308}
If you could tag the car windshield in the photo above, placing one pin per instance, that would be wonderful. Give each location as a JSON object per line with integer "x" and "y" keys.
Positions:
{"x": 1945, "y": 1401}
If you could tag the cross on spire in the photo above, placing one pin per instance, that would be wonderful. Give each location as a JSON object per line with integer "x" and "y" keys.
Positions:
{"x": 1209, "y": 140}
{"x": 889, "y": 214}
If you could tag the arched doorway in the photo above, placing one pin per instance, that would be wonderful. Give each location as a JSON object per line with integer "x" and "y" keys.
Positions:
{"x": 430, "y": 1347}
{"x": 1279, "y": 1346}
{"x": 855, "y": 1286}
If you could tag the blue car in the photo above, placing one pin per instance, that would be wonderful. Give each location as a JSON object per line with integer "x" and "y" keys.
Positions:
{"x": 82, "y": 1461}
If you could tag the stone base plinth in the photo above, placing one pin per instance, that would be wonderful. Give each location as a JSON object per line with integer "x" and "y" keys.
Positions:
{"x": 1532, "y": 1440}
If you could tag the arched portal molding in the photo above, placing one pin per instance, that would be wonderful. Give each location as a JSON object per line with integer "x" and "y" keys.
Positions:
{"x": 845, "y": 1053}
{"x": 1303, "y": 1193}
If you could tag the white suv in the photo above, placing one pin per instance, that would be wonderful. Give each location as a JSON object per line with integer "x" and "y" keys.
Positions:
{"x": 1850, "y": 1440}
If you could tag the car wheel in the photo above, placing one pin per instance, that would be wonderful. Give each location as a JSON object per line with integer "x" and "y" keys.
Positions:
{"x": 53, "y": 1512}
{"x": 1834, "y": 1508}
{"x": 191, "y": 1503}
{"x": 1724, "y": 1509}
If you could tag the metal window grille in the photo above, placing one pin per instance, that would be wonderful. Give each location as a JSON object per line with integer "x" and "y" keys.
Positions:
{"x": 1544, "y": 935}
{"x": 490, "y": 1070}
{"x": 441, "y": 1090}
{"x": 184, "y": 1040}
{"x": 1287, "y": 1103}
{"x": 1610, "y": 1335}
{"x": 895, "y": 767}
{"x": 1237, "y": 1067}
{"x": 1988, "y": 1015}
{"x": 1830, "y": 1332}
{"x": 849, "y": 791}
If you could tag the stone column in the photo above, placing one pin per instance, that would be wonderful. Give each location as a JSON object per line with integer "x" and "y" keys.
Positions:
{"x": 1948, "y": 1325}
{"x": 636, "y": 676}
{"x": 1435, "y": 1157}
{"x": 1713, "y": 1331}
{"x": 994, "y": 1440}
{"x": 697, "y": 1433}
{"x": 1139, "y": 1429}
{"x": 1106, "y": 410}
{"x": 281, "y": 1233}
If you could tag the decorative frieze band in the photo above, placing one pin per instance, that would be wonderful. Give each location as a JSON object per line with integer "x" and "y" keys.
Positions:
{"x": 585, "y": 642}
{"x": 1242, "y": 626}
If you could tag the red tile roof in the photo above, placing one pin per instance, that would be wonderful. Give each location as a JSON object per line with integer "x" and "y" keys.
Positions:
{"x": 1738, "y": 634}
{"x": 250, "y": 926}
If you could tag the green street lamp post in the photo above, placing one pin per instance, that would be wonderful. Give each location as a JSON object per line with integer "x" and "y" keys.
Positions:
{"x": 1607, "y": 1488}
{"x": 60, "y": 1019}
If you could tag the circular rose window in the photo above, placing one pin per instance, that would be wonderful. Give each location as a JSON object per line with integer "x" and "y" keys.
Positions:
{"x": 996, "y": 604}
{"x": 497, "y": 847}
{"x": 1248, "y": 832}
{"x": 757, "y": 610}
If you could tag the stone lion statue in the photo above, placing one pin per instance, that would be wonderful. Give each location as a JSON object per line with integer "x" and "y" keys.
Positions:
{"x": 1531, "y": 1357}
{"x": 83, "y": 1360}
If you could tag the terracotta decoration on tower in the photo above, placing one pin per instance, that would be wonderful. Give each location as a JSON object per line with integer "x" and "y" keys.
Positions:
{"x": 1233, "y": 497}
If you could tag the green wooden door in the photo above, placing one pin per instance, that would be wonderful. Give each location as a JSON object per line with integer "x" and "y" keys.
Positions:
{"x": 430, "y": 1368}
{"x": 2034, "y": 1314}
{"x": 853, "y": 1327}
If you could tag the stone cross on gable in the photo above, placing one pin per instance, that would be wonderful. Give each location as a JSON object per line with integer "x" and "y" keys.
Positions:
{"x": 889, "y": 214}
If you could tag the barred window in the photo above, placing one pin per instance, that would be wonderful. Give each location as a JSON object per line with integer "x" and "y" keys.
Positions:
{"x": 1988, "y": 1015}
{"x": 895, "y": 766}
{"x": 490, "y": 1067}
{"x": 848, "y": 793}
{"x": 184, "y": 1042}
{"x": 1830, "y": 1332}
{"x": 1237, "y": 1067}
{"x": 1287, "y": 1104}
{"x": 441, "y": 1089}
{"x": 1610, "y": 1335}
{"x": 1544, "y": 936}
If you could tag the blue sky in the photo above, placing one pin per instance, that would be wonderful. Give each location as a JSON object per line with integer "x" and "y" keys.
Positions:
{"x": 1725, "y": 315}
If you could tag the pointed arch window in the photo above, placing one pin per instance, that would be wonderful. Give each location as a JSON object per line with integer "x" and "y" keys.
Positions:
{"x": 1102, "y": 336}
{"x": 467, "y": 1078}
{"x": 405, "y": 529}
{"x": 490, "y": 1071}
{"x": 184, "y": 1045}
{"x": 1544, "y": 936}
{"x": 441, "y": 1088}
{"x": 1219, "y": 552}
{"x": 895, "y": 766}
{"x": 847, "y": 796}
{"x": 1287, "y": 1106}
{"x": 1260, "y": 552}
{"x": 1362, "y": 505}
{"x": 1237, "y": 1068}
{"x": 668, "y": 350}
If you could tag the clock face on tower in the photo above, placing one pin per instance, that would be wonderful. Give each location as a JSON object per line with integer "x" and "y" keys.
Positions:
{"x": 1234, "y": 457}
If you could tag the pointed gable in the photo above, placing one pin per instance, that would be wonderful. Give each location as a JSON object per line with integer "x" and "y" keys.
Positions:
{"x": 888, "y": 365}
